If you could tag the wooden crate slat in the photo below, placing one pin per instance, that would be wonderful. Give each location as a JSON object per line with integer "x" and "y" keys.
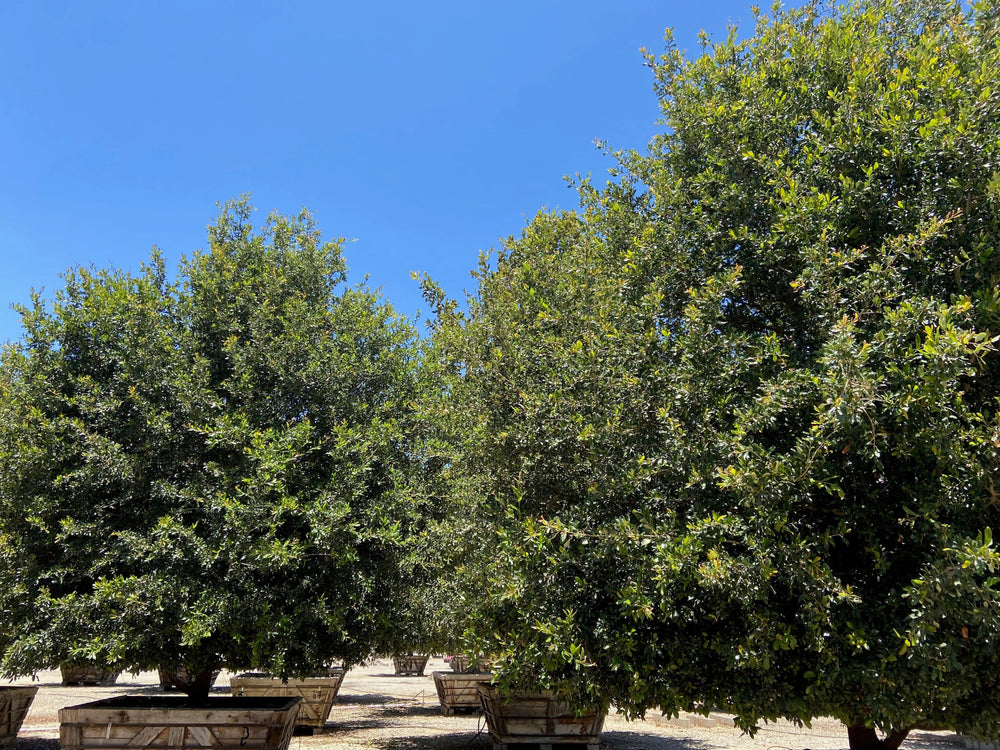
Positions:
{"x": 144, "y": 736}
{"x": 175, "y": 736}
{"x": 142, "y": 722}
{"x": 204, "y": 737}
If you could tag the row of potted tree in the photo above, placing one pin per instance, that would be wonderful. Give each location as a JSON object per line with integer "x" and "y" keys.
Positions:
{"x": 724, "y": 438}
{"x": 226, "y": 467}
{"x": 531, "y": 718}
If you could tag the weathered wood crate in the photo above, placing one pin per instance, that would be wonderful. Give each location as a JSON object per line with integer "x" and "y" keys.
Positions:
{"x": 538, "y": 720}
{"x": 317, "y": 693}
{"x": 458, "y": 691}
{"x": 462, "y": 663}
{"x": 174, "y": 722}
{"x": 974, "y": 743}
{"x": 172, "y": 679}
{"x": 14, "y": 704}
{"x": 87, "y": 675}
{"x": 410, "y": 665}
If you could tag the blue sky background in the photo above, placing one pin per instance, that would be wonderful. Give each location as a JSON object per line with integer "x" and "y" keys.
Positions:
{"x": 424, "y": 131}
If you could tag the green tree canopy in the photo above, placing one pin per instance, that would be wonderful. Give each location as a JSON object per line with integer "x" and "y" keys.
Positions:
{"x": 735, "y": 421}
{"x": 212, "y": 470}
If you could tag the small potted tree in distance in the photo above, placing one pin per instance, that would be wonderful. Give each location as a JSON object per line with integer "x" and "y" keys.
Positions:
{"x": 177, "y": 678}
{"x": 207, "y": 471}
{"x": 412, "y": 638}
{"x": 425, "y": 622}
{"x": 458, "y": 689}
{"x": 449, "y": 563}
{"x": 83, "y": 673}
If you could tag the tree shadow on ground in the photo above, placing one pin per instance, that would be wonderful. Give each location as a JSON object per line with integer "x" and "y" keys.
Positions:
{"x": 629, "y": 740}
{"x": 368, "y": 699}
{"x": 919, "y": 739}
{"x": 481, "y": 741}
{"x": 454, "y": 741}
{"x": 411, "y": 709}
{"x": 348, "y": 726}
{"x": 350, "y": 717}
{"x": 35, "y": 743}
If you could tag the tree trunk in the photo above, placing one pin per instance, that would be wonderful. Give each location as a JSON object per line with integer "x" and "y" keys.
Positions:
{"x": 198, "y": 687}
{"x": 861, "y": 737}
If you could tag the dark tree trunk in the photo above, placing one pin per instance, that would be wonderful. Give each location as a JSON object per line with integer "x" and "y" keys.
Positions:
{"x": 197, "y": 687}
{"x": 861, "y": 737}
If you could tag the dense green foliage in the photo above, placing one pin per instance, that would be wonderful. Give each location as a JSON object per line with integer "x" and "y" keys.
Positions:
{"x": 735, "y": 421}
{"x": 215, "y": 470}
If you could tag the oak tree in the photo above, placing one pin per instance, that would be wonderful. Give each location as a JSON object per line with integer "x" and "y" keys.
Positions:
{"x": 213, "y": 469}
{"x": 735, "y": 420}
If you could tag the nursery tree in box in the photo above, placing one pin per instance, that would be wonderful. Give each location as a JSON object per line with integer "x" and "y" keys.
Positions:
{"x": 212, "y": 469}
{"x": 735, "y": 421}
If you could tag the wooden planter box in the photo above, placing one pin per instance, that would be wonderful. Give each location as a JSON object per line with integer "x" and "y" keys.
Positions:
{"x": 172, "y": 679}
{"x": 14, "y": 704}
{"x": 464, "y": 664}
{"x": 410, "y": 665}
{"x": 88, "y": 675}
{"x": 459, "y": 691}
{"x": 539, "y": 720}
{"x": 169, "y": 721}
{"x": 974, "y": 743}
{"x": 317, "y": 693}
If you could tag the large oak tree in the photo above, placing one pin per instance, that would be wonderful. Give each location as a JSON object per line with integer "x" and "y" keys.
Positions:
{"x": 735, "y": 421}
{"x": 214, "y": 469}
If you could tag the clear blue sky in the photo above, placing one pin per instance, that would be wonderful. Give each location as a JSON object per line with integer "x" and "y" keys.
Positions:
{"x": 425, "y": 131}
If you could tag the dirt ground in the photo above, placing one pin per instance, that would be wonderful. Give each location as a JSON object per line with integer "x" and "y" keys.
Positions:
{"x": 376, "y": 710}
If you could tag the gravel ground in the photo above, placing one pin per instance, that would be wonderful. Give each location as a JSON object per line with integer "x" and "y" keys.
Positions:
{"x": 377, "y": 710}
